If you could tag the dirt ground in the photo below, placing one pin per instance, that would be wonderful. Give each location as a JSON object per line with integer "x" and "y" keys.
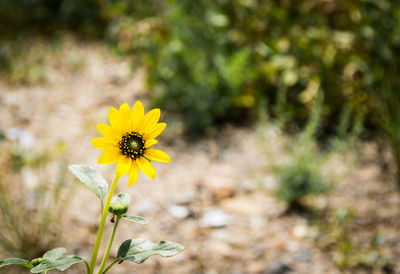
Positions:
{"x": 216, "y": 197}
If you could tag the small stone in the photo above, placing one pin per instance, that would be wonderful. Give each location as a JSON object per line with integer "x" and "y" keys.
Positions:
{"x": 255, "y": 267}
{"x": 179, "y": 212}
{"x": 278, "y": 267}
{"x": 219, "y": 248}
{"x": 220, "y": 187}
{"x": 269, "y": 182}
{"x": 244, "y": 205}
{"x": 258, "y": 222}
{"x": 185, "y": 197}
{"x": 300, "y": 231}
{"x": 292, "y": 246}
{"x": 214, "y": 218}
{"x": 25, "y": 138}
{"x": 302, "y": 256}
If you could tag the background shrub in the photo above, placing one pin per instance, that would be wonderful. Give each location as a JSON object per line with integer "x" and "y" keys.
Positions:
{"x": 31, "y": 203}
{"x": 298, "y": 180}
{"x": 215, "y": 62}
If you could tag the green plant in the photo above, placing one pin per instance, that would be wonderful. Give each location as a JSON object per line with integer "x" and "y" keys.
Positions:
{"x": 213, "y": 62}
{"x": 127, "y": 141}
{"x": 351, "y": 254}
{"x": 303, "y": 175}
{"x": 389, "y": 122}
{"x": 31, "y": 206}
{"x": 300, "y": 179}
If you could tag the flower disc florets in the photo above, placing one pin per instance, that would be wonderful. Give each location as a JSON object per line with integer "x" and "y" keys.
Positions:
{"x": 131, "y": 134}
{"x": 132, "y": 145}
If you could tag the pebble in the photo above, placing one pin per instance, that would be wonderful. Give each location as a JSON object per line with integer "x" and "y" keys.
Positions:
{"x": 215, "y": 218}
{"x": 258, "y": 222}
{"x": 244, "y": 206}
{"x": 300, "y": 231}
{"x": 277, "y": 267}
{"x": 220, "y": 187}
{"x": 179, "y": 212}
{"x": 269, "y": 182}
{"x": 25, "y": 138}
{"x": 302, "y": 256}
{"x": 186, "y": 197}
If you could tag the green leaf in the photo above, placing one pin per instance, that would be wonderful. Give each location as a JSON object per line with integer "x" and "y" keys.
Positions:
{"x": 15, "y": 261}
{"x": 91, "y": 178}
{"x": 54, "y": 253}
{"x": 61, "y": 264}
{"x": 135, "y": 219}
{"x": 138, "y": 250}
{"x": 56, "y": 260}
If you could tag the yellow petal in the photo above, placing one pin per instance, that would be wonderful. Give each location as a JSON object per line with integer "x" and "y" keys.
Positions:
{"x": 137, "y": 115}
{"x": 155, "y": 131}
{"x": 157, "y": 155}
{"x": 103, "y": 143}
{"x": 146, "y": 167}
{"x": 113, "y": 117}
{"x": 124, "y": 108}
{"x": 133, "y": 173}
{"x": 125, "y": 116}
{"x": 123, "y": 165}
{"x": 150, "y": 142}
{"x": 149, "y": 120}
{"x": 108, "y": 157}
{"x": 105, "y": 130}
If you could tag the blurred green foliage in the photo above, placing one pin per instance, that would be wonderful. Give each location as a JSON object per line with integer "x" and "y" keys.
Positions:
{"x": 303, "y": 175}
{"x": 215, "y": 61}
{"x": 25, "y": 24}
{"x": 31, "y": 202}
{"x": 298, "y": 180}
{"x": 302, "y": 166}
{"x": 211, "y": 62}
{"x": 349, "y": 253}
{"x": 48, "y": 18}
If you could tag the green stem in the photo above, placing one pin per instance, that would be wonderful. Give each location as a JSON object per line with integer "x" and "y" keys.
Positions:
{"x": 109, "y": 267}
{"x": 101, "y": 226}
{"x": 87, "y": 267}
{"x": 103, "y": 263}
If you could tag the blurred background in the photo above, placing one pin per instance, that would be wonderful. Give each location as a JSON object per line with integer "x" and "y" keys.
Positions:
{"x": 283, "y": 126}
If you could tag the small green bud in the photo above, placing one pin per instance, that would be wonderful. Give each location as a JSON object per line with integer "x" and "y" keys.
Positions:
{"x": 118, "y": 208}
{"x": 37, "y": 261}
{"x": 119, "y": 204}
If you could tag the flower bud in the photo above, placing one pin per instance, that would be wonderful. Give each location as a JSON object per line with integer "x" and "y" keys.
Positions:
{"x": 118, "y": 208}
{"x": 119, "y": 204}
{"x": 37, "y": 261}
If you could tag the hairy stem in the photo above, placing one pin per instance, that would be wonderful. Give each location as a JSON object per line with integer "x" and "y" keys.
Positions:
{"x": 101, "y": 226}
{"x": 110, "y": 242}
{"x": 109, "y": 267}
{"x": 87, "y": 267}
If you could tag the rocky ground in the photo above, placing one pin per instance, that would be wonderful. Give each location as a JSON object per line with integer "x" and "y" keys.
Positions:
{"x": 216, "y": 197}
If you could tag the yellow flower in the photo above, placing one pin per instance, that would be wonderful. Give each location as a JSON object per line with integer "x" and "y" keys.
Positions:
{"x": 127, "y": 141}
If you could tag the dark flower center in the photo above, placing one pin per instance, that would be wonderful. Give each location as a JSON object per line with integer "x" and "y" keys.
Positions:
{"x": 132, "y": 145}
